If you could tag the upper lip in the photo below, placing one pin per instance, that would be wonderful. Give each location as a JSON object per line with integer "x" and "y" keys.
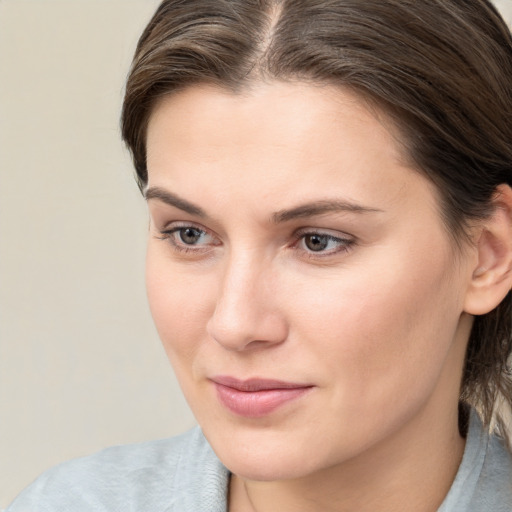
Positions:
{"x": 256, "y": 384}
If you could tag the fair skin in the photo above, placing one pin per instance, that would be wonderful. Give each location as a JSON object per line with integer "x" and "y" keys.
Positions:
{"x": 291, "y": 241}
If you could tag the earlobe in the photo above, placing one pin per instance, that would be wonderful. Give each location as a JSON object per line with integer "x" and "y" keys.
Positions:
{"x": 492, "y": 275}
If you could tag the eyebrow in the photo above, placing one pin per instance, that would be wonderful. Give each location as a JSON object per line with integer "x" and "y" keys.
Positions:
{"x": 321, "y": 208}
{"x": 173, "y": 200}
{"x": 312, "y": 209}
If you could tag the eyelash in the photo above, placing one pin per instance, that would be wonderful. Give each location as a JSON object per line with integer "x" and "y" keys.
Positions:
{"x": 345, "y": 244}
{"x": 169, "y": 236}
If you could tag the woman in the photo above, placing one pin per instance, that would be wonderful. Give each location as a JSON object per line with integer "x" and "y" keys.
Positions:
{"x": 329, "y": 258}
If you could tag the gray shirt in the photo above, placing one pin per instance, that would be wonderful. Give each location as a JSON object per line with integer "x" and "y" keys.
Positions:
{"x": 183, "y": 474}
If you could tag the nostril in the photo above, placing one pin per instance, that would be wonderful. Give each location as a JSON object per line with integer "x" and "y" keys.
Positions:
{"x": 238, "y": 333}
{"x": 232, "y": 334}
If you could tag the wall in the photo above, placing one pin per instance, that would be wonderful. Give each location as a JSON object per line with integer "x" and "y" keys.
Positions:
{"x": 81, "y": 366}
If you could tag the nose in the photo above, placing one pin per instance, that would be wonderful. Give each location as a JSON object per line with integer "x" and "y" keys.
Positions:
{"x": 247, "y": 314}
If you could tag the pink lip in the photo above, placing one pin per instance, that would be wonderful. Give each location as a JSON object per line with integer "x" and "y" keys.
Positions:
{"x": 254, "y": 398}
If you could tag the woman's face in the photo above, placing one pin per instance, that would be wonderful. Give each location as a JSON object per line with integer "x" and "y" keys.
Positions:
{"x": 300, "y": 276}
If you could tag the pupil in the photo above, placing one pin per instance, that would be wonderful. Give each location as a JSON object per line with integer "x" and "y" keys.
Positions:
{"x": 316, "y": 242}
{"x": 190, "y": 235}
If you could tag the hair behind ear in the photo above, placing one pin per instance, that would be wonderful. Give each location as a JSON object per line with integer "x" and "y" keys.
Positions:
{"x": 487, "y": 379}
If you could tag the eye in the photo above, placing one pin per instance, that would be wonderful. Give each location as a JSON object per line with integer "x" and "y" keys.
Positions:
{"x": 190, "y": 235}
{"x": 317, "y": 243}
{"x": 323, "y": 244}
{"x": 187, "y": 238}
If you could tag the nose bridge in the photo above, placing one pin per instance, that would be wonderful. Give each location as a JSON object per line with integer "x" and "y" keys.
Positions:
{"x": 244, "y": 314}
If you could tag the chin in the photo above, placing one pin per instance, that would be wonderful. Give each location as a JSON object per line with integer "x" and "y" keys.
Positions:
{"x": 268, "y": 467}
{"x": 267, "y": 454}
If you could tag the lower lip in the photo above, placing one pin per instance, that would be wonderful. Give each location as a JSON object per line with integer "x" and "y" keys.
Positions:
{"x": 255, "y": 404}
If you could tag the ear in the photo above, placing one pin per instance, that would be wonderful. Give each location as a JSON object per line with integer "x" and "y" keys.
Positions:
{"x": 492, "y": 275}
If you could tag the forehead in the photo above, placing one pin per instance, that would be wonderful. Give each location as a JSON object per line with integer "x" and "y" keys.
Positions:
{"x": 280, "y": 113}
{"x": 277, "y": 137}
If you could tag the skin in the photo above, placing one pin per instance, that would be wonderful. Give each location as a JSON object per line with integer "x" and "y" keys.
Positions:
{"x": 376, "y": 322}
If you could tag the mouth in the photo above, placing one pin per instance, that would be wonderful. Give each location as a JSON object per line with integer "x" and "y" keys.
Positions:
{"x": 255, "y": 398}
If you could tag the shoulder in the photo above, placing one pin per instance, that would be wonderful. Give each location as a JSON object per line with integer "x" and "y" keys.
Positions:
{"x": 494, "y": 489}
{"x": 484, "y": 480}
{"x": 145, "y": 476}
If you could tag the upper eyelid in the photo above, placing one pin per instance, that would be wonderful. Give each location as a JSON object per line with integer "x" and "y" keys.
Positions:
{"x": 173, "y": 229}
{"x": 334, "y": 233}
{"x": 176, "y": 225}
{"x": 341, "y": 240}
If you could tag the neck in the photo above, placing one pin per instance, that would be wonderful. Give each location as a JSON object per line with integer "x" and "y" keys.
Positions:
{"x": 406, "y": 472}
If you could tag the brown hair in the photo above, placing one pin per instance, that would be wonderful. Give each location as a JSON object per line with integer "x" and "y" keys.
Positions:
{"x": 440, "y": 69}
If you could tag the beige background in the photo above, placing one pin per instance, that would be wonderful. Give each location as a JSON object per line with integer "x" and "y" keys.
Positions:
{"x": 81, "y": 366}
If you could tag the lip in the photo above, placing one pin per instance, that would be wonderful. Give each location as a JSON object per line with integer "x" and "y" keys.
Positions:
{"x": 254, "y": 398}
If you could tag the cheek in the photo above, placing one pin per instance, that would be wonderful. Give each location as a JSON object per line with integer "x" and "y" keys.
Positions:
{"x": 180, "y": 306}
{"x": 376, "y": 330}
